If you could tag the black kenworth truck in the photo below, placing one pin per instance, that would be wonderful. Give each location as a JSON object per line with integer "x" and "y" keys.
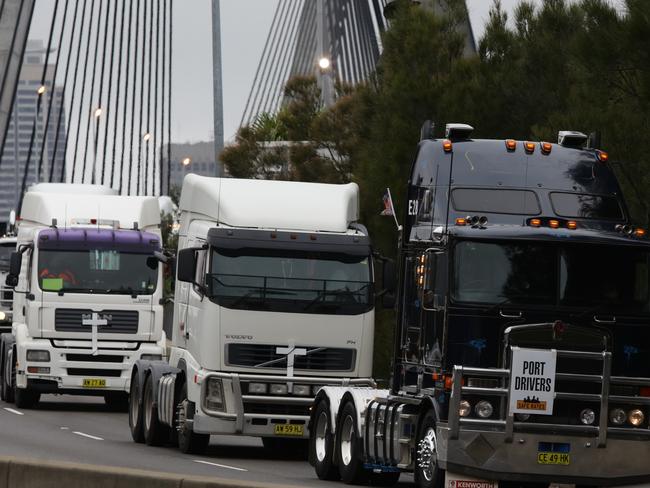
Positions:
{"x": 522, "y": 340}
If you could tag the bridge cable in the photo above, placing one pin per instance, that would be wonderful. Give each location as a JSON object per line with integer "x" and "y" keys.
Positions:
{"x": 145, "y": 175}
{"x": 63, "y": 99}
{"x": 135, "y": 85}
{"x": 83, "y": 90}
{"x": 142, "y": 75}
{"x": 117, "y": 100}
{"x": 169, "y": 96}
{"x": 109, "y": 112}
{"x": 39, "y": 101}
{"x": 162, "y": 96}
{"x": 155, "y": 105}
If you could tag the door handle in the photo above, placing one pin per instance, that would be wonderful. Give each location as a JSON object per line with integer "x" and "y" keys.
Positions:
{"x": 611, "y": 320}
{"x": 511, "y": 316}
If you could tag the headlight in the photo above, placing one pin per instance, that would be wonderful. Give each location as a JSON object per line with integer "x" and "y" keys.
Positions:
{"x": 277, "y": 389}
{"x": 257, "y": 388}
{"x": 465, "y": 408}
{"x": 587, "y": 416}
{"x": 635, "y": 417}
{"x": 151, "y": 357}
{"x": 484, "y": 409}
{"x": 214, "y": 395}
{"x": 2, "y": 315}
{"x": 38, "y": 356}
{"x": 301, "y": 390}
{"x": 617, "y": 416}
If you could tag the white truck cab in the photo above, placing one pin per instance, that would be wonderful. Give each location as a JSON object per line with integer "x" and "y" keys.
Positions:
{"x": 88, "y": 286}
{"x": 274, "y": 299}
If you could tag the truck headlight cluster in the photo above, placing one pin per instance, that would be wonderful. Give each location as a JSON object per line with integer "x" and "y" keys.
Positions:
{"x": 257, "y": 388}
{"x": 465, "y": 409}
{"x": 484, "y": 409}
{"x": 278, "y": 389}
{"x": 38, "y": 356}
{"x": 214, "y": 399}
{"x": 618, "y": 416}
{"x": 587, "y": 416}
{"x": 301, "y": 390}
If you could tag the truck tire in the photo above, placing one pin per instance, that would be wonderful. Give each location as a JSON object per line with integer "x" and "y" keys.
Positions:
{"x": 155, "y": 433}
{"x": 6, "y": 389}
{"x": 349, "y": 455}
{"x": 189, "y": 442}
{"x": 135, "y": 410}
{"x": 427, "y": 473}
{"x": 321, "y": 443}
{"x": 117, "y": 401}
{"x": 26, "y": 398}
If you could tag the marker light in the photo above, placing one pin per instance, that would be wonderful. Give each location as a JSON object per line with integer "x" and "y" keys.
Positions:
{"x": 511, "y": 144}
{"x": 535, "y": 222}
{"x": 617, "y": 416}
{"x": 529, "y": 147}
{"x": 572, "y": 224}
{"x": 587, "y": 416}
{"x": 553, "y": 224}
{"x": 447, "y": 146}
{"x": 603, "y": 157}
{"x": 546, "y": 147}
{"x": 465, "y": 408}
{"x": 635, "y": 417}
{"x": 639, "y": 232}
{"x": 461, "y": 221}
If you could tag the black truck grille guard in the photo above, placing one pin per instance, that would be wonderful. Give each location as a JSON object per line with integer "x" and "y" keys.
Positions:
{"x": 602, "y": 401}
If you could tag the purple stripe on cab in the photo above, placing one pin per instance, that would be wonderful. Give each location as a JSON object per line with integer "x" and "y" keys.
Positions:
{"x": 85, "y": 239}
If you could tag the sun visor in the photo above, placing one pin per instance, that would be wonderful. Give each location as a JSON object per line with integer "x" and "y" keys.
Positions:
{"x": 86, "y": 239}
{"x": 239, "y": 240}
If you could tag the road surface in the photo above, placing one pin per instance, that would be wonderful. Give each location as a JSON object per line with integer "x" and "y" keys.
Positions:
{"x": 82, "y": 430}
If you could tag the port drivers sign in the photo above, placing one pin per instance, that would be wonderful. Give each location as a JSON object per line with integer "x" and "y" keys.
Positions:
{"x": 532, "y": 381}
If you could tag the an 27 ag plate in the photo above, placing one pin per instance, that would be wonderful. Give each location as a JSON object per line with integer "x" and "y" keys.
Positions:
{"x": 94, "y": 383}
{"x": 289, "y": 429}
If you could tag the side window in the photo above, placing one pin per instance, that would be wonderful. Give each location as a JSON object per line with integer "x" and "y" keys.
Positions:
{"x": 199, "y": 276}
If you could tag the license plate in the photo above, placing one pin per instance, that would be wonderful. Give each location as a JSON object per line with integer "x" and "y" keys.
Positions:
{"x": 289, "y": 429}
{"x": 94, "y": 383}
{"x": 553, "y": 458}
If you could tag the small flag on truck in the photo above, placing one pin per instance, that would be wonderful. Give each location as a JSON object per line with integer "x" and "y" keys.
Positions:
{"x": 389, "y": 208}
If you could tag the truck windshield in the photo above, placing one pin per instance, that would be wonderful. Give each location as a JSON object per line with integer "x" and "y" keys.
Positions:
{"x": 301, "y": 282}
{"x": 97, "y": 271}
{"x": 554, "y": 275}
{"x": 6, "y": 248}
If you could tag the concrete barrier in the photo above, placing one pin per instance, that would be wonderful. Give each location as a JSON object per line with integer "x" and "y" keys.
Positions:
{"x": 33, "y": 473}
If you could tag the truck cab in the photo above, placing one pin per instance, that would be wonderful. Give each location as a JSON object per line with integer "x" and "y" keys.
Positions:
{"x": 87, "y": 283}
{"x": 523, "y": 298}
{"x": 274, "y": 300}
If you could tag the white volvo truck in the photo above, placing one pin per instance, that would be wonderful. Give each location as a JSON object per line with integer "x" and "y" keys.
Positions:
{"x": 274, "y": 300}
{"x": 88, "y": 286}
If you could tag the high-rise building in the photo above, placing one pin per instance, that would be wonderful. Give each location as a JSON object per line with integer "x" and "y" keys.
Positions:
{"x": 29, "y": 127}
{"x": 197, "y": 158}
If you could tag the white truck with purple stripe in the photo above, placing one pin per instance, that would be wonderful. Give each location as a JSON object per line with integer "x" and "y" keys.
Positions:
{"x": 88, "y": 285}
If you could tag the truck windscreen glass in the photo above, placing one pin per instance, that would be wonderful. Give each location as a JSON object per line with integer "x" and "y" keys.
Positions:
{"x": 546, "y": 274}
{"x": 516, "y": 202}
{"x": 584, "y": 206}
{"x": 97, "y": 271}
{"x": 5, "y": 255}
{"x": 322, "y": 283}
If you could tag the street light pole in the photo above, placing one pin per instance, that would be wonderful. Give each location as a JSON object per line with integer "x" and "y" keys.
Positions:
{"x": 98, "y": 114}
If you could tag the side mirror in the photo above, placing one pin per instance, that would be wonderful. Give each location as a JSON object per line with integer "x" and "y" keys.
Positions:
{"x": 186, "y": 266}
{"x": 389, "y": 278}
{"x": 15, "y": 263}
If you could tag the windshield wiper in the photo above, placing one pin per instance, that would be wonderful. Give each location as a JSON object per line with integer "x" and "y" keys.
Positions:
{"x": 124, "y": 291}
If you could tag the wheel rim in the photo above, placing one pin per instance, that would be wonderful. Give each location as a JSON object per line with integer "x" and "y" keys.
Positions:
{"x": 321, "y": 437}
{"x": 428, "y": 454}
{"x": 148, "y": 407}
{"x": 347, "y": 437}
{"x": 134, "y": 407}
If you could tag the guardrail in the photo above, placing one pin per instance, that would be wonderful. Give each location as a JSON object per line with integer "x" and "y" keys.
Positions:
{"x": 33, "y": 473}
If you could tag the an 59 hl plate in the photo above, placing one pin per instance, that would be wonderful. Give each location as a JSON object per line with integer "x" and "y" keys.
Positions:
{"x": 289, "y": 429}
{"x": 94, "y": 383}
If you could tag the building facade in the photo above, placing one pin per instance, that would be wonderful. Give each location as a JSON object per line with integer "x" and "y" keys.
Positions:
{"x": 29, "y": 127}
{"x": 197, "y": 158}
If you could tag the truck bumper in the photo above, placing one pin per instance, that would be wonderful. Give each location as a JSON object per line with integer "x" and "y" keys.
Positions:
{"x": 260, "y": 415}
{"x": 487, "y": 455}
{"x": 69, "y": 366}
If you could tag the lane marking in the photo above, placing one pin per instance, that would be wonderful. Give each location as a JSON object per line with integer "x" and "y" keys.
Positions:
{"x": 65, "y": 428}
{"x": 220, "y": 465}
{"x": 17, "y": 412}
{"x": 88, "y": 436}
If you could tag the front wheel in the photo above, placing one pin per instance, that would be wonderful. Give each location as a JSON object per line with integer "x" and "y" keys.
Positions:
{"x": 135, "y": 410}
{"x": 321, "y": 443}
{"x": 189, "y": 442}
{"x": 349, "y": 449}
{"x": 427, "y": 472}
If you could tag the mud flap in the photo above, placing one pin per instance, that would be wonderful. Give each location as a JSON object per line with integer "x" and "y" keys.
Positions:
{"x": 453, "y": 480}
